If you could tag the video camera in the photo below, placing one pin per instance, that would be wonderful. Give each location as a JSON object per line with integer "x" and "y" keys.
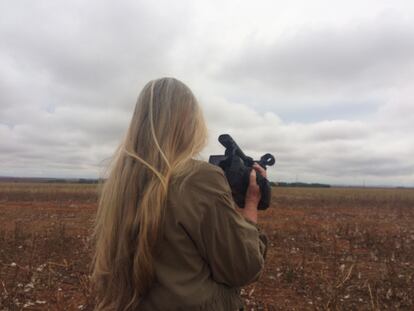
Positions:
{"x": 237, "y": 167}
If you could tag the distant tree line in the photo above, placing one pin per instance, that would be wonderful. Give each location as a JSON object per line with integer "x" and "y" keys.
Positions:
{"x": 299, "y": 184}
{"x": 87, "y": 181}
{"x": 95, "y": 181}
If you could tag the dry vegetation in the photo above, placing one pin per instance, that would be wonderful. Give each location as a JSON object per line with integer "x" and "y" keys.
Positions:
{"x": 330, "y": 249}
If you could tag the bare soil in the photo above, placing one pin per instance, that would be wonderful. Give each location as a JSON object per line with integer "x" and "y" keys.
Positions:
{"x": 330, "y": 249}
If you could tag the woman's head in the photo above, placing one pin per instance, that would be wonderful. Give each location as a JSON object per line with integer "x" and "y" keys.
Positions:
{"x": 166, "y": 131}
{"x": 167, "y": 124}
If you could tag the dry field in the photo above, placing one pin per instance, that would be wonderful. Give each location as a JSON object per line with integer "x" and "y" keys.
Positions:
{"x": 330, "y": 249}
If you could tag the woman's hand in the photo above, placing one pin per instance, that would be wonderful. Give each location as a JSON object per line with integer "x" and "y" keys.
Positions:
{"x": 253, "y": 194}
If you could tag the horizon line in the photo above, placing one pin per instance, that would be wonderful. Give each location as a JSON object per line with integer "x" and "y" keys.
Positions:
{"x": 276, "y": 182}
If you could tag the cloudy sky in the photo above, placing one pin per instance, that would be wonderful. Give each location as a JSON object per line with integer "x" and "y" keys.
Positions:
{"x": 326, "y": 86}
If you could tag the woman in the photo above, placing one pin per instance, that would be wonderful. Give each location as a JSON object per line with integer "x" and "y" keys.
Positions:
{"x": 168, "y": 235}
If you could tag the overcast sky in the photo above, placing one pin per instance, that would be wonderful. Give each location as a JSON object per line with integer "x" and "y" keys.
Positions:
{"x": 326, "y": 86}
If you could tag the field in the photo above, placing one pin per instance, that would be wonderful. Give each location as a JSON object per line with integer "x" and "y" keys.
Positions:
{"x": 330, "y": 249}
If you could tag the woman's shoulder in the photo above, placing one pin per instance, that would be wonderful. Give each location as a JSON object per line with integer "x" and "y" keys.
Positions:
{"x": 203, "y": 180}
{"x": 207, "y": 177}
{"x": 206, "y": 169}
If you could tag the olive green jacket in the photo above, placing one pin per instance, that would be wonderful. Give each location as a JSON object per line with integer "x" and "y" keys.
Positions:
{"x": 209, "y": 250}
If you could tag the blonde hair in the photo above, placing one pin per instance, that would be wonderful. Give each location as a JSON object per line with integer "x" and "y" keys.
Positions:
{"x": 166, "y": 131}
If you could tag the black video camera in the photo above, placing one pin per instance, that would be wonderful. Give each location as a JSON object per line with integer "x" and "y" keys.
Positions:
{"x": 237, "y": 167}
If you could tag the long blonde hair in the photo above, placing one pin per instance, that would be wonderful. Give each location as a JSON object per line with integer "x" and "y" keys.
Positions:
{"x": 166, "y": 131}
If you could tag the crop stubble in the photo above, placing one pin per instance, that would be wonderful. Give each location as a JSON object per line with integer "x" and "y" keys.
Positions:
{"x": 329, "y": 249}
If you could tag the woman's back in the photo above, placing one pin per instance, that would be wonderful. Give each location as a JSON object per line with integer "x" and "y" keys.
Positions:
{"x": 208, "y": 250}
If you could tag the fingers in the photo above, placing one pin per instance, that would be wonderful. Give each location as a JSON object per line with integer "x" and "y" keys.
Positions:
{"x": 260, "y": 169}
{"x": 253, "y": 177}
{"x": 253, "y": 194}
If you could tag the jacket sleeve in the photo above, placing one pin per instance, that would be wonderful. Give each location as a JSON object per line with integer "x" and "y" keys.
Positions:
{"x": 233, "y": 247}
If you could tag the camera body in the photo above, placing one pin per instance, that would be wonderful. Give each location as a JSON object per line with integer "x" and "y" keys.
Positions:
{"x": 237, "y": 167}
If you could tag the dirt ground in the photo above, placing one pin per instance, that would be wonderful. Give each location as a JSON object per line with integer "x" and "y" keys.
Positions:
{"x": 330, "y": 249}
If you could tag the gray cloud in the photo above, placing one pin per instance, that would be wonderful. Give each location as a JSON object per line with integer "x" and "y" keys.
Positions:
{"x": 321, "y": 58}
{"x": 322, "y": 67}
{"x": 333, "y": 101}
